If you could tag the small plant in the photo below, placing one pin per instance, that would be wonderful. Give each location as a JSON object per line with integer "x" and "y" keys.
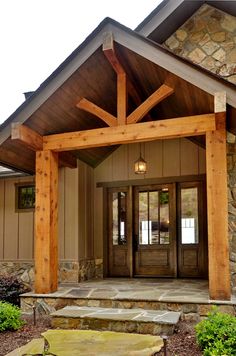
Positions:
{"x": 10, "y": 289}
{"x": 216, "y": 335}
{"x": 10, "y": 317}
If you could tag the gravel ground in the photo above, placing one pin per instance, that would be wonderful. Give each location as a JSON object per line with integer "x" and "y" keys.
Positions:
{"x": 181, "y": 343}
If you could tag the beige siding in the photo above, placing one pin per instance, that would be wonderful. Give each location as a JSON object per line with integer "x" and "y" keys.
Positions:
{"x": 85, "y": 211}
{"x": 16, "y": 229}
{"x": 11, "y": 230}
{"x": 2, "y": 198}
{"x": 75, "y": 226}
{"x": 61, "y": 214}
{"x": 71, "y": 214}
{"x": 168, "y": 158}
{"x": 26, "y": 232}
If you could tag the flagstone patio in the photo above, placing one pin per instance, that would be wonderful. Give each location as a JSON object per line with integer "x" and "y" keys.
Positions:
{"x": 187, "y": 295}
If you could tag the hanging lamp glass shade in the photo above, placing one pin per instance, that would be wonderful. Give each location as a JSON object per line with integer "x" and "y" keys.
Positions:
{"x": 140, "y": 166}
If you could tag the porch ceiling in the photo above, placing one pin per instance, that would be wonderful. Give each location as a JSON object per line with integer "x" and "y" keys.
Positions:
{"x": 96, "y": 80}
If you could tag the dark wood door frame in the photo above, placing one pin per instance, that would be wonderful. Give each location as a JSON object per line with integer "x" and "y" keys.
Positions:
{"x": 163, "y": 255}
{"x": 197, "y": 266}
{"x": 181, "y": 181}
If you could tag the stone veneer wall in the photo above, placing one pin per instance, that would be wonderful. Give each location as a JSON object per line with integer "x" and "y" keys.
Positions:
{"x": 231, "y": 166}
{"x": 208, "y": 38}
{"x": 69, "y": 271}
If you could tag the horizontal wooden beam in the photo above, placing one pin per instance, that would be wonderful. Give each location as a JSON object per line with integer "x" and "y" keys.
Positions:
{"x": 88, "y": 106}
{"x": 147, "y": 131}
{"x": 34, "y": 142}
{"x": 160, "y": 94}
{"x": 29, "y": 137}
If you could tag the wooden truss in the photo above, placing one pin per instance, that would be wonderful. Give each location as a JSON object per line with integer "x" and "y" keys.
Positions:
{"x": 159, "y": 95}
{"x": 121, "y": 130}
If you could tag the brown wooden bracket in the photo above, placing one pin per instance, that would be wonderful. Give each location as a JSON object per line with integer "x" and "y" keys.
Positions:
{"x": 123, "y": 84}
{"x": 88, "y": 106}
{"x": 160, "y": 94}
{"x": 34, "y": 142}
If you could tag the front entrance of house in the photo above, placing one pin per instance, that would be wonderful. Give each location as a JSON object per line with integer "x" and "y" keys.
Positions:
{"x": 157, "y": 230}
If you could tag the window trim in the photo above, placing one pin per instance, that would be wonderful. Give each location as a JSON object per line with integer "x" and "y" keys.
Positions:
{"x": 17, "y": 186}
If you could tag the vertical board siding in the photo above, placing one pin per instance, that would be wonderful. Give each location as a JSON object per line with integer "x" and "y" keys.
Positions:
{"x": 11, "y": 231}
{"x": 98, "y": 222}
{"x": 89, "y": 220}
{"x": 188, "y": 158}
{"x": 71, "y": 214}
{"x": 154, "y": 161}
{"x": 61, "y": 214}
{"x": 82, "y": 210}
{"x": 167, "y": 158}
{"x": 171, "y": 158}
{"x": 2, "y": 212}
{"x": 85, "y": 211}
{"x": 26, "y": 233}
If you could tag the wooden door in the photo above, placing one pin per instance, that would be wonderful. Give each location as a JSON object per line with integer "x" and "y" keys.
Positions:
{"x": 119, "y": 232}
{"x": 192, "y": 231}
{"x": 155, "y": 231}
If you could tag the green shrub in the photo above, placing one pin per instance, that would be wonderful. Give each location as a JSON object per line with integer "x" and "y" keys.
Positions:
{"x": 216, "y": 335}
{"x": 10, "y": 289}
{"x": 10, "y": 317}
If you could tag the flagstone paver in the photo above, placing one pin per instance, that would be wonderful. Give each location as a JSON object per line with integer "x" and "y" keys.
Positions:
{"x": 35, "y": 346}
{"x": 185, "y": 295}
{"x": 106, "y": 343}
{"x": 116, "y": 319}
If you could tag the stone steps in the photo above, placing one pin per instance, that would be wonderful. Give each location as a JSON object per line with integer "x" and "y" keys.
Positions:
{"x": 140, "y": 321}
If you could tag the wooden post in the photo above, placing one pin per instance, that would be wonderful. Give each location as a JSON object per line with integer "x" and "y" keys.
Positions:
{"x": 46, "y": 216}
{"x": 217, "y": 205}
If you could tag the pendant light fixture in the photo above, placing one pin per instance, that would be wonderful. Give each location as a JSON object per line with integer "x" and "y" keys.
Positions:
{"x": 140, "y": 166}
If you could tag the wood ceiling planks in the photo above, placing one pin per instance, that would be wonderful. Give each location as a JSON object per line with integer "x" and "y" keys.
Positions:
{"x": 96, "y": 81}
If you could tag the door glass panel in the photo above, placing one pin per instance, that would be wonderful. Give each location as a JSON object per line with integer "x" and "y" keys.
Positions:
{"x": 189, "y": 216}
{"x": 154, "y": 217}
{"x": 119, "y": 218}
{"x": 143, "y": 219}
{"x": 164, "y": 218}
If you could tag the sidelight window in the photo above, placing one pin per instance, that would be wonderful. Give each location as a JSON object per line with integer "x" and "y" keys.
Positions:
{"x": 189, "y": 216}
{"x": 119, "y": 218}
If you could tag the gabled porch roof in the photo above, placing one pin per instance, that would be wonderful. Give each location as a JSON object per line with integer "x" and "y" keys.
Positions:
{"x": 87, "y": 73}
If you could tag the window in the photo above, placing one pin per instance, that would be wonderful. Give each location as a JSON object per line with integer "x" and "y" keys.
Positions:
{"x": 154, "y": 217}
{"x": 25, "y": 196}
{"x": 119, "y": 218}
{"x": 189, "y": 215}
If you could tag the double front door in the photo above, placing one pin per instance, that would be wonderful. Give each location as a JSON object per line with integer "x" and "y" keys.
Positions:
{"x": 157, "y": 231}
